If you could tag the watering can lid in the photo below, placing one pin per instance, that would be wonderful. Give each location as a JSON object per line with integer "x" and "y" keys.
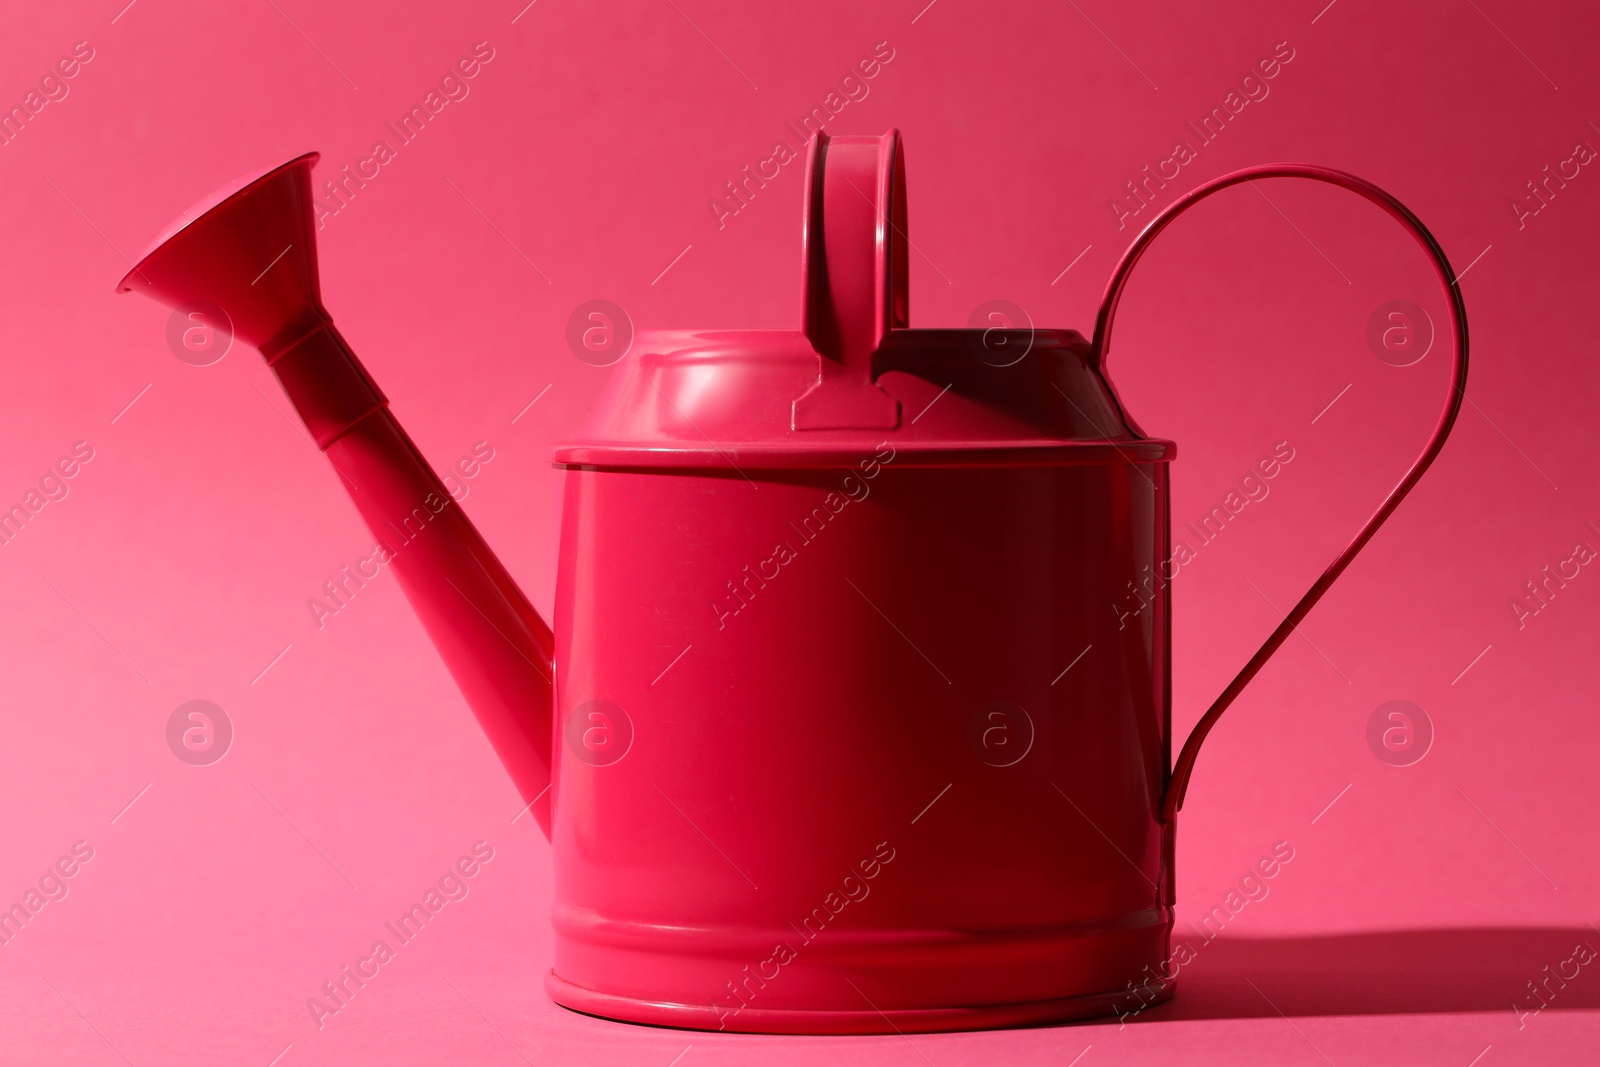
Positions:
{"x": 855, "y": 376}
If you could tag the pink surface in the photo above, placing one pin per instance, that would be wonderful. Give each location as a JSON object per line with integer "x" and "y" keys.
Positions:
{"x": 578, "y": 166}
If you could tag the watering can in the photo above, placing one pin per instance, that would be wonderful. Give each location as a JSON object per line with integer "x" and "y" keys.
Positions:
{"x": 801, "y": 735}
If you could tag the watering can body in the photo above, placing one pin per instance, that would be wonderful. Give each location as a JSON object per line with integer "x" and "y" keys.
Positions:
{"x": 859, "y": 784}
{"x": 844, "y": 724}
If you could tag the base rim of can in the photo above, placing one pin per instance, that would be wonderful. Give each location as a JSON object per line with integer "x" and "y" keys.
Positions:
{"x": 871, "y": 1021}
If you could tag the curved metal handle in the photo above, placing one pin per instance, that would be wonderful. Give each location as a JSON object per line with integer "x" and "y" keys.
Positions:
{"x": 853, "y": 262}
{"x": 1178, "y": 783}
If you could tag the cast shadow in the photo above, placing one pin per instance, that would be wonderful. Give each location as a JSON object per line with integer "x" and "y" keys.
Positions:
{"x": 1391, "y": 972}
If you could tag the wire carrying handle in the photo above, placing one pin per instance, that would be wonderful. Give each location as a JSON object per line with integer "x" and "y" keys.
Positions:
{"x": 1183, "y": 767}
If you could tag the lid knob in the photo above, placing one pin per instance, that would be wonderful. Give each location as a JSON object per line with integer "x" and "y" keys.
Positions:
{"x": 853, "y": 263}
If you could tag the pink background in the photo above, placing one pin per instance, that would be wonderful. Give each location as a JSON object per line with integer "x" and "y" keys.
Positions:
{"x": 1417, "y": 905}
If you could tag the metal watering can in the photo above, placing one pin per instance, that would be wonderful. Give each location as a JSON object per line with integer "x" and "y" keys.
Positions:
{"x": 796, "y": 737}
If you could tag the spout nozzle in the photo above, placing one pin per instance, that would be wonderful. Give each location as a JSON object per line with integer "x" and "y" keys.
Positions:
{"x": 248, "y": 248}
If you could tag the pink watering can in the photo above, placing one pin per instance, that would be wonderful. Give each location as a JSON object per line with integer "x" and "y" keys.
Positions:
{"x": 801, "y": 737}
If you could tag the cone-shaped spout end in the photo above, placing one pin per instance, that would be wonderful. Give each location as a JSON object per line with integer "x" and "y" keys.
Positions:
{"x": 250, "y": 249}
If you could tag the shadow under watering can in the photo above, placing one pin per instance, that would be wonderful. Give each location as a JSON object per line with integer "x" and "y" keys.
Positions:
{"x": 807, "y": 819}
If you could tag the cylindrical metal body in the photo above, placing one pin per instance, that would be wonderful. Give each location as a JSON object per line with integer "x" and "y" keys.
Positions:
{"x": 896, "y": 738}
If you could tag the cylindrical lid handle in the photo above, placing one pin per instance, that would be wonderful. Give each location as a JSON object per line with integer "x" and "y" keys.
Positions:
{"x": 854, "y": 276}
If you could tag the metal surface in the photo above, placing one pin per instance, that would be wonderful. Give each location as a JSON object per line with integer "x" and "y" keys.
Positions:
{"x": 847, "y": 733}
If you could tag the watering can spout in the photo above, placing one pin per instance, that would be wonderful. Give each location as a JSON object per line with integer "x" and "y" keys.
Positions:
{"x": 247, "y": 255}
